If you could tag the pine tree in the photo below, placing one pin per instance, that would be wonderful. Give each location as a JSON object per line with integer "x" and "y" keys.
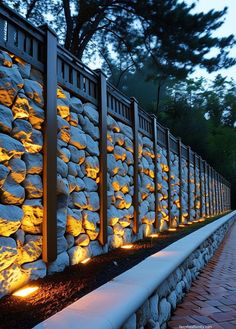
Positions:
{"x": 165, "y": 31}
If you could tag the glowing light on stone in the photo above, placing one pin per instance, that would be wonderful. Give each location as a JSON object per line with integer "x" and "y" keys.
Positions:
{"x": 24, "y": 292}
{"x": 171, "y": 229}
{"x": 127, "y": 246}
{"x": 86, "y": 260}
{"x": 154, "y": 235}
{"x": 181, "y": 225}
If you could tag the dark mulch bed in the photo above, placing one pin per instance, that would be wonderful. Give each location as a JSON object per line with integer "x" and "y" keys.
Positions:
{"x": 61, "y": 289}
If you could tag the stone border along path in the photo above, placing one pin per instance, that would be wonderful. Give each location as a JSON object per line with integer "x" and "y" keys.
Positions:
{"x": 212, "y": 297}
{"x": 109, "y": 306}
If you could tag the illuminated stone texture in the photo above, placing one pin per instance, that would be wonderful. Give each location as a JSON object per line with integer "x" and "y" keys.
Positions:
{"x": 21, "y": 142}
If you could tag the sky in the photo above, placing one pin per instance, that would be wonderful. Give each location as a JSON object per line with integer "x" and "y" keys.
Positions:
{"x": 229, "y": 27}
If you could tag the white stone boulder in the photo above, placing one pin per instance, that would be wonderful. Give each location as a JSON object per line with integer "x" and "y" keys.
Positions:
{"x": 78, "y": 138}
{"x": 12, "y": 192}
{"x": 35, "y": 270}
{"x": 11, "y": 278}
{"x": 82, "y": 240}
{"x": 20, "y": 108}
{"x": 90, "y": 219}
{"x": 6, "y": 119}
{"x": 34, "y": 91}
{"x": 92, "y": 166}
{"x": 92, "y": 146}
{"x": 9, "y": 147}
{"x": 92, "y": 201}
{"x": 31, "y": 250}
{"x": 77, "y": 254}
{"x": 8, "y": 252}
{"x": 4, "y": 171}
{"x": 33, "y": 186}
{"x": 59, "y": 264}
{"x": 10, "y": 219}
{"x": 36, "y": 115}
{"x": 91, "y": 112}
{"x": 79, "y": 199}
{"x": 62, "y": 167}
{"x": 76, "y": 105}
{"x": 18, "y": 169}
{"x": 10, "y": 83}
{"x": 33, "y": 216}
{"x": 74, "y": 222}
{"x": 33, "y": 162}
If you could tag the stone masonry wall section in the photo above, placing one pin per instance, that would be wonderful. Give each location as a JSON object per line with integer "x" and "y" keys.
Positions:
{"x": 78, "y": 221}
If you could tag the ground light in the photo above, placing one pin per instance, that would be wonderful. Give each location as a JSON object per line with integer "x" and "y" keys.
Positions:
{"x": 24, "y": 292}
{"x": 86, "y": 260}
{"x": 201, "y": 220}
{"x": 171, "y": 229}
{"x": 154, "y": 235}
{"x": 181, "y": 225}
{"x": 127, "y": 246}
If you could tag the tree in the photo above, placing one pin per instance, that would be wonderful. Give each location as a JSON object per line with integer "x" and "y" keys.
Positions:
{"x": 167, "y": 32}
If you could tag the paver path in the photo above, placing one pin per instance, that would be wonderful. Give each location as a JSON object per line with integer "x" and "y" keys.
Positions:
{"x": 211, "y": 301}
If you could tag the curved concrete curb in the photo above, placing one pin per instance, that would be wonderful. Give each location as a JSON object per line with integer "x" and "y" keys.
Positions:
{"x": 109, "y": 306}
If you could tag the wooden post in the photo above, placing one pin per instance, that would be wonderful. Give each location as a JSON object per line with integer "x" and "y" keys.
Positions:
{"x": 169, "y": 175}
{"x": 216, "y": 196}
{"x": 189, "y": 185}
{"x": 221, "y": 194}
{"x": 135, "y": 117}
{"x": 49, "y": 227}
{"x": 195, "y": 183}
{"x": 102, "y": 99}
{"x": 209, "y": 189}
{"x": 206, "y": 189}
{"x": 201, "y": 186}
{"x": 212, "y": 191}
{"x": 180, "y": 181}
{"x": 157, "y": 221}
{"x": 217, "y": 193}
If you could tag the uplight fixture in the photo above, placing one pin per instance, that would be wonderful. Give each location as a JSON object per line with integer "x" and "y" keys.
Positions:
{"x": 24, "y": 292}
{"x": 127, "y": 246}
{"x": 154, "y": 235}
{"x": 86, "y": 260}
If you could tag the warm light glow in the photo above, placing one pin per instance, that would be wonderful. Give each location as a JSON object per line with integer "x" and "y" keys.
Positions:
{"x": 24, "y": 292}
{"x": 127, "y": 246}
{"x": 181, "y": 225}
{"x": 171, "y": 229}
{"x": 154, "y": 235}
{"x": 201, "y": 220}
{"x": 86, "y": 260}
{"x": 190, "y": 223}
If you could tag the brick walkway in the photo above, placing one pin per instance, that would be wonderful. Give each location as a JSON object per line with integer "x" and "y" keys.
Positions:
{"x": 211, "y": 301}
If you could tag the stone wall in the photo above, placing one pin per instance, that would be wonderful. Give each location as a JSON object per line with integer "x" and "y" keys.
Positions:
{"x": 21, "y": 165}
{"x": 157, "y": 309}
{"x": 78, "y": 202}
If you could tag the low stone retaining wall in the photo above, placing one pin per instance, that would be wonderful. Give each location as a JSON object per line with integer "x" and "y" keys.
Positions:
{"x": 157, "y": 309}
{"x": 145, "y": 296}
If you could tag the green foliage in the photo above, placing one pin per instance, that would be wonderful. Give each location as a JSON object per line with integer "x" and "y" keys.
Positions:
{"x": 125, "y": 33}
